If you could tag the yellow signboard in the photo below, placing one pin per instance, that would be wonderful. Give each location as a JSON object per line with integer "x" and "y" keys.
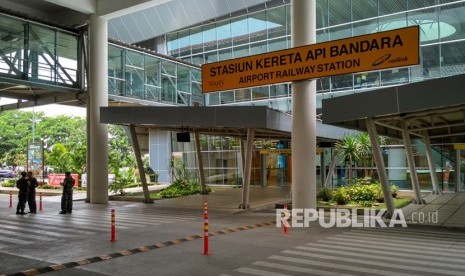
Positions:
{"x": 459, "y": 146}
{"x": 377, "y": 51}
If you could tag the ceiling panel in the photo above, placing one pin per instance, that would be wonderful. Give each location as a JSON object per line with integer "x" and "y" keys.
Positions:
{"x": 171, "y": 16}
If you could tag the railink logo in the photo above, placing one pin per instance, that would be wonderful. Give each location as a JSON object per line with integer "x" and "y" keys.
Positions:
{"x": 381, "y": 60}
{"x": 338, "y": 218}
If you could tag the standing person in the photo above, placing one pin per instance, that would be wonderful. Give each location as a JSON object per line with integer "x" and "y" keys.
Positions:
{"x": 31, "y": 197}
{"x": 67, "y": 196}
{"x": 23, "y": 185}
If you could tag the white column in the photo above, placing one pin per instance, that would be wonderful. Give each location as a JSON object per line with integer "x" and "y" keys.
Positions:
{"x": 98, "y": 96}
{"x": 411, "y": 165}
{"x": 371, "y": 128}
{"x": 140, "y": 165}
{"x": 432, "y": 169}
{"x": 303, "y": 25}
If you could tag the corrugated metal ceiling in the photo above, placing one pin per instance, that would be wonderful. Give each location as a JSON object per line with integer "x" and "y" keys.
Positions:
{"x": 171, "y": 16}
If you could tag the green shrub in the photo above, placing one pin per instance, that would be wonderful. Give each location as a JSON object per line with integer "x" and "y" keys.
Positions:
{"x": 366, "y": 203}
{"x": 394, "y": 190}
{"x": 10, "y": 183}
{"x": 181, "y": 187}
{"x": 325, "y": 194}
{"x": 47, "y": 186}
{"x": 360, "y": 192}
{"x": 340, "y": 196}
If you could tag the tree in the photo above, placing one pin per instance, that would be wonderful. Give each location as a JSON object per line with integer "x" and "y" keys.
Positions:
{"x": 348, "y": 148}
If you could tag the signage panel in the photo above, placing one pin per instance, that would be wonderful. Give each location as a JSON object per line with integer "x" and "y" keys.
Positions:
{"x": 370, "y": 52}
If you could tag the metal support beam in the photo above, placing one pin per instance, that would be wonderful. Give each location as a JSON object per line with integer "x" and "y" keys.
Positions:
{"x": 248, "y": 169}
{"x": 432, "y": 169}
{"x": 380, "y": 166}
{"x": 329, "y": 177}
{"x": 458, "y": 173}
{"x": 411, "y": 165}
{"x": 140, "y": 165}
{"x": 200, "y": 163}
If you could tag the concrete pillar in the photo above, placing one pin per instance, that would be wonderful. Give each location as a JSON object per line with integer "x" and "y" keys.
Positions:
{"x": 411, "y": 165}
{"x": 247, "y": 169}
{"x": 371, "y": 128}
{"x": 200, "y": 163}
{"x": 432, "y": 169}
{"x": 98, "y": 97}
{"x": 303, "y": 15}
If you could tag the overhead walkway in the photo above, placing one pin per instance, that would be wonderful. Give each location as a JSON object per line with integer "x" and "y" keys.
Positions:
{"x": 41, "y": 65}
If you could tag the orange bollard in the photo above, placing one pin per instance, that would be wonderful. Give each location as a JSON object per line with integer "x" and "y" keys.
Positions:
{"x": 113, "y": 230}
{"x": 11, "y": 199}
{"x": 284, "y": 225}
{"x": 205, "y": 229}
{"x": 40, "y": 201}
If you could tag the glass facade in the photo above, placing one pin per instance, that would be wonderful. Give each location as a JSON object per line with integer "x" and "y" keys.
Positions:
{"x": 139, "y": 75}
{"x": 442, "y": 38}
{"x": 38, "y": 53}
{"x": 441, "y": 49}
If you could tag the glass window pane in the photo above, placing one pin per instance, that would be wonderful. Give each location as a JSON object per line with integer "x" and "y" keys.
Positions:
{"x": 227, "y": 97}
{"x": 242, "y": 95}
{"x": 340, "y": 32}
{"x": 392, "y": 22}
{"x": 392, "y": 6}
{"x": 172, "y": 44}
{"x": 66, "y": 51}
{"x": 277, "y": 44}
{"x": 429, "y": 66}
{"x": 258, "y": 48}
{"x": 322, "y": 35}
{"x": 394, "y": 76}
{"x": 241, "y": 51}
{"x": 452, "y": 58}
{"x": 279, "y": 90}
{"x": 196, "y": 40}
{"x": 212, "y": 98}
{"x": 261, "y": 92}
{"x": 322, "y": 14}
{"x": 339, "y": 12}
{"x": 211, "y": 57}
{"x": 257, "y": 26}
{"x": 209, "y": 37}
{"x": 428, "y": 22}
{"x": 365, "y": 27}
{"x": 276, "y": 22}
{"x": 183, "y": 79}
{"x": 239, "y": 29}
{"x": 225, "y": 54}
{"x": 451, "y": 18}
{"x": 224, "y": 34}
{"x": 115, "y": 71}
{"x": 415, "y": 4}
{"x": 341, "y": 82}
{"x": 362, "y": 9}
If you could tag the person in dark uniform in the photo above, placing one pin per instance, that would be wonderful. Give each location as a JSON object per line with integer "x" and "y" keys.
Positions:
{"x": 67, "y": 196}
{"x": 31, "y": 197}
{"x": 23, "y": 185}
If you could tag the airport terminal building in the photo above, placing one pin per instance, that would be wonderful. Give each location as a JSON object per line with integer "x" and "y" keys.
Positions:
{"x": 154, "y": 55}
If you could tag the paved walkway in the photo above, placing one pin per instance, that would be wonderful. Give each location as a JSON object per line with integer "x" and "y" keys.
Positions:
{"x": 446, "y": 210}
